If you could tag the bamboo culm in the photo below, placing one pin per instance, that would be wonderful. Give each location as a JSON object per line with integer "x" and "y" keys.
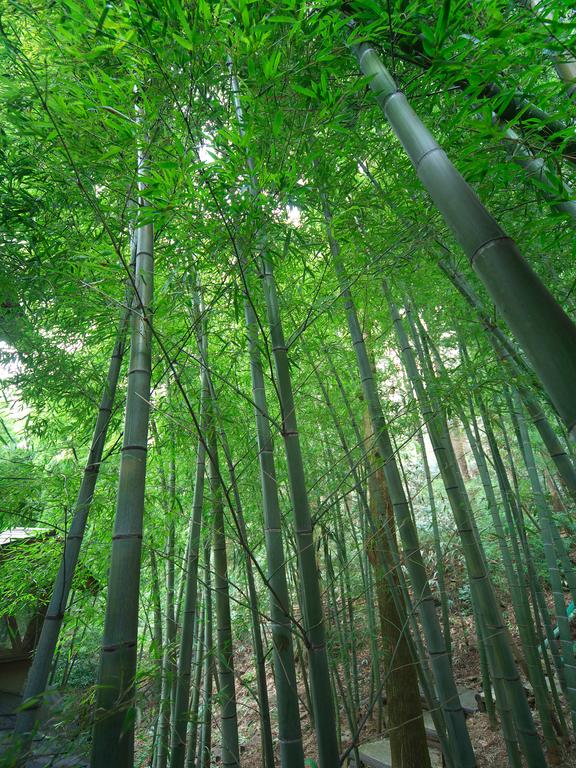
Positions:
{"x": 113, "y": 736}
{"x": 227, "y": 692}
{"x": 180, "y": 719}
{"x": 546, "y": 333}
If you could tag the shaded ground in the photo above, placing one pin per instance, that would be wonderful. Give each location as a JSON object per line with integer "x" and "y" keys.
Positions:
{"x": 72, "y": 725}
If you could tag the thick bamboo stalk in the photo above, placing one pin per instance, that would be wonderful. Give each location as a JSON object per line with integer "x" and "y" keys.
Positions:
{"x": 113, "y": 737}
{"x": 546, "y": 333}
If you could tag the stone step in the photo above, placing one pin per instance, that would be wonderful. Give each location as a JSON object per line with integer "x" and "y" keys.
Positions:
{"x": 468, "y": 699}
{"x": 376, "y": 754}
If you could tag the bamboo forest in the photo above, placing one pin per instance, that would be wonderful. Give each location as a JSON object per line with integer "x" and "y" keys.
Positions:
{"x": 287, "y": 384}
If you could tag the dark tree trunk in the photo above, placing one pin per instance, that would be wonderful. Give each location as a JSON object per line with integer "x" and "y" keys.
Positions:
{"x": 408, "y": 744}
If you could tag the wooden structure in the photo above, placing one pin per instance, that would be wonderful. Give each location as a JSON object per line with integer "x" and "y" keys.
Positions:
{"x": 19, "y": 632}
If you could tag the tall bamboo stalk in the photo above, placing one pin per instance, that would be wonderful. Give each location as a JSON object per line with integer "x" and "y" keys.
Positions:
{"x": 437, "y": 545}
{"x": 113, "y": 738}
{"x": 227, "y": 693}
{"x": 259, "y": 658}
{"x": 290, "y": 735}
{"x": 408, "y": 743}
{"x": 195, "y": 704}
{"x": 205, "y": 743}
{"x": 180, "y": 716}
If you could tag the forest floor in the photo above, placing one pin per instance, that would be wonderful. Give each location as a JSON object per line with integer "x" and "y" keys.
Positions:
{"x": 488, "y": 743}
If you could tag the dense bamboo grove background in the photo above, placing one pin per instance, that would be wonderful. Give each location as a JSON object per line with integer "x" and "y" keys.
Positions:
{"x": 288, "y": 363}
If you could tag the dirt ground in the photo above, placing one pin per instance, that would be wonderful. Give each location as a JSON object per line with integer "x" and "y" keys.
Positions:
{"x": 488, "y": 743}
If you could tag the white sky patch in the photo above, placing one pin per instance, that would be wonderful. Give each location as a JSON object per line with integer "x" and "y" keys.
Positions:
{"x": 293, "y": 215}
{"x": 13, "y": 410}
{"x": 207, "y": 153}
{"x": 10, "y": 366}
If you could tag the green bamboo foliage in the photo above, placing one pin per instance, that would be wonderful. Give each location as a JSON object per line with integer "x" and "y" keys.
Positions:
{"x": 546, "y": 333}
{"x": 502, "y": 659}
{"x": 113, "y": 738}
{"x": 564, "y": 64}
{"x": 461, "y": 747}
{"x": 560, "y": 194}
{"x": 44, "y": 655}
{"x": 323, "y": 706}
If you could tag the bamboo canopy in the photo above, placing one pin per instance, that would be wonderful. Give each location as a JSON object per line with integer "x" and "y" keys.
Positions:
{"x": 287, "y": 375}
